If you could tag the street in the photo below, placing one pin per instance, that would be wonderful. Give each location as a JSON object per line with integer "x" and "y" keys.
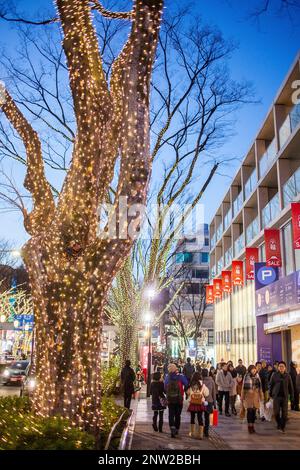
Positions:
{"x": 9, "y": 391}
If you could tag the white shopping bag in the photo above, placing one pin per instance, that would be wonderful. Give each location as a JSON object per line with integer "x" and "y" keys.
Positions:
{"x": 261, "y": 409}
{"x": 269, "y": 410}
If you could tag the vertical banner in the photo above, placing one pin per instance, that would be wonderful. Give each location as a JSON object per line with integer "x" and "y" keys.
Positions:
{"x": 237, "y": 273}
{"x": 226, "y": 281}
{"x": 296, "y": 224}
{"x": 209, "y": 294}
{"x": 217, "y": 289}
{"x": 273, "y": 250}
{"x": 251, "y": 259}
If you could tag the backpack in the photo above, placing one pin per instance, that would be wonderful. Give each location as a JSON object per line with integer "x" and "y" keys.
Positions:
{"x": 173, "y": 393}
{"x": 196, "y": 397}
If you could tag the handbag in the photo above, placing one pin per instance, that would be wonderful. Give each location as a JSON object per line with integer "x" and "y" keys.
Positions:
{"x": 163, "y": 401}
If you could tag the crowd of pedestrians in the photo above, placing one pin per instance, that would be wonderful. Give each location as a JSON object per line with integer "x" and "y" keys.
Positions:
{"x": 263, "y": 391}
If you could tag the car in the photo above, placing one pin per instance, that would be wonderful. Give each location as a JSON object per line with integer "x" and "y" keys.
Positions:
{"x": 16, "y": 373}
{"x": 28, "y": 386}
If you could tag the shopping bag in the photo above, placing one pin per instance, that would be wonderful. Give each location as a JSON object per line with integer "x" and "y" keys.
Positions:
{"x": 262, "y": 409}
{"x": 269, "y": 410}
{"x": 242, "y": 411}
{"x": 211, "y": 419}
{"x": 215, "y": 417}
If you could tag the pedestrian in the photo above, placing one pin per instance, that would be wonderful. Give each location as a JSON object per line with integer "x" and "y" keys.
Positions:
{"x": 188, "y": 369}
{"x": 127, "y": 378}
{"x": 158, "y": 401}
{"x": 197, "y": 393}
{"x": 270, "y": 372}
{"x": 281, "y": 386}
{"x": 233, "y": 390}
{"x": 241, "y": 369}
{"x": 224, "y": 383}
{"x": 263, "y": 375}
{"x": 211, "y": 399}
{"x": 174, "y": 387}
{"x": 251, "y": 396}
{"x": 293, "y": 374}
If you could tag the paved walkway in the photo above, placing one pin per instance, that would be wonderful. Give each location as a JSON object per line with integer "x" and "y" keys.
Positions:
{"x": 231, "y": 433}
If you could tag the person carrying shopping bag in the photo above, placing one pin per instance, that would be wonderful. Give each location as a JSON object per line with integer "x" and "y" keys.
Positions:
{"x": 208, "y": 381}
{"x": 251, "y": 396}
{"x": 197, "y": 394}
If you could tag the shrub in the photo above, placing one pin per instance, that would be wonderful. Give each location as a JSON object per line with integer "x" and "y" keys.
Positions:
{"x": 110, "y": 377}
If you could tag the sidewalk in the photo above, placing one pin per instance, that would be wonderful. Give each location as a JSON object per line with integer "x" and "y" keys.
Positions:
{"x": 231, "y": 433}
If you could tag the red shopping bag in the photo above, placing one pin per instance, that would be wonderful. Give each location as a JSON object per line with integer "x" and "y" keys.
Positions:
{"x": 215, "y": 417}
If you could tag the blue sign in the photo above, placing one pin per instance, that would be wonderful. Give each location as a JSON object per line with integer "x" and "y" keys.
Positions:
{"x": 24, "y": 320}
{"x": 264, "y": 275}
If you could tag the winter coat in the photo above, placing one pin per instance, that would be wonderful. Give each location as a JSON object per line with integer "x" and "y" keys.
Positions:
{"x": 274, "y": 388}
{"x": 223, "y": 381}
{"x": 157, "y": 392}
{"x": 251, "y": 397}
{"x": 183, "y": 381}
{"x": 188, "y": 370}
{"x": 241, "y": 370}
{"x": 233, "y": 390}
{"x": 211, "y": 386}
{"x": 128, "y": 378}
{"x": 263, "y": 375}
{"x": 293, "y": 374}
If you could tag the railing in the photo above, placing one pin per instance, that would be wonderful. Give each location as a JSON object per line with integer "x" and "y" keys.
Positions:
{"x": 239, "y": 244}
{"x": 252, "y": 230}
{"x": 219, "y": 232}
{"x": 237, "y": 203}
{"x": 213, "y": 241}
{"x": 267, "y": 158}
{"x": 220, "y": 266}
{"x": 291, "y": 188}
{"x": 290, "y": 123}
{"x": 228, "y": 257}
{"x": 113, "y": 429}
{"x": 227, "y": 219}
{"x": 250, "y": 184}
{"x": 270, "y": 211}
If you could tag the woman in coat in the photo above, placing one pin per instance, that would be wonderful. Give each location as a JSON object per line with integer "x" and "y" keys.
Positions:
{"x": 209, "y": 382}
{"x": 158, "y": 401}
{"x": 251, "y": 396}
{"x": 233, "y": 391}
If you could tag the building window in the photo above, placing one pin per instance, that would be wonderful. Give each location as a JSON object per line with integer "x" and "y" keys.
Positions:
{"x": 288, "y": 249}
{"x": 206, "y": 242}
{"x": 200, "y": 274}
{"x": 210, "y": 338}
{"x": 193, "y": 288}
{"x": 184, "y": 257}
{"x": 204, "y": 257}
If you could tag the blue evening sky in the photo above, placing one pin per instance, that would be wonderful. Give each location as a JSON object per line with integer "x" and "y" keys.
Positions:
{"x": 265, "y": 54}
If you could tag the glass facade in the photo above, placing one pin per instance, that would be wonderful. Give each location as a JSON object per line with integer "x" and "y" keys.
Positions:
{"x": 252, "y": 230}
{"x": 237, "y": 204}
{"x": 184, "y": 257}
{"x": 288, "y": 248}
{"x": 239, "y": 244}
{"x": 270, "y": 211}
{"x": 291, "y": 188}
{"x": 250, "y": 184}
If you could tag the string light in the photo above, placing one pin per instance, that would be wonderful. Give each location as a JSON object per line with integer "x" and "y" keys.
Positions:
{"x": 70, "y": 268}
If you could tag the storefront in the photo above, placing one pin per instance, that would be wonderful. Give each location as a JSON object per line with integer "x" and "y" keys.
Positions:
{"x": 278, "y": 319}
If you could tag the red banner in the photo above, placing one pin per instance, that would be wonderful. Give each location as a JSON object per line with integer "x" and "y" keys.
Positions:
{"x": 226, "y": 281}
{"x": 273, "y": 250}
{"x": 217, "y": 289}
{"x": 237, "y": 273}
{"x": 296, "y": 224}
{"x": 251, "y": 258}
{"x": 209, "y": 294}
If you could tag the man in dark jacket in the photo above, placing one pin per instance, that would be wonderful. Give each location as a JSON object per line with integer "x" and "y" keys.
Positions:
{"x": 240, "y": 368}
{"x": 263, "y": 375}
{"x": 188, "y": 369}
{"x": 127, "y": 378}
{"x": 280, "y": 387}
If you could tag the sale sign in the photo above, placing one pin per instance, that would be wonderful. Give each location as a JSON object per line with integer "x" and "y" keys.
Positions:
{"x": 296, "y": 224}
{"x": 217, "y": 288}
{"x": 237, "y": 273}
{"x": 251, "y": 259}
{"x": 226, "y": 281}
{"x": 273, "y": 250}
{"x": 209, "y": 294}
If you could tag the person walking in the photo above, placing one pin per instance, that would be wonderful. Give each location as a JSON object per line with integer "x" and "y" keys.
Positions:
{"x": 281, "y": 386}
{"x": 209, "y": 382}
{"x": 159, "y": 401}
{"x": 188, "y": 369}
{"x": 127, "y": 379}
{"x": 241, "y": 369}
{"x": 233, "y": 390}
{"x": 174, "y": 387}
{"x": 224, "y": 382}
{"x": 197, "y": 393}
{"x": 294, "y": 374}
{"x": 251, "y": 396}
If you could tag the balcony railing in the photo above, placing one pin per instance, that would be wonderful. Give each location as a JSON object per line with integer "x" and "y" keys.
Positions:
{"x": 267, "y": 158}
{"x": 239, "y": 244}
{"x": 291, "y": 188}
{"x": 219, "y": 232}
{"x": 228, "y": 257}
{"x": 290, "y": 123}
{"x": 227, "y": 219}
{"x": 220, "y": 266}
{"x": 250, "y": 184}
{"x": 213, "y": 241}
{"x": 252, "y": 230}
{"x": 270, "y": 211}
{"x": 237, "y": 204}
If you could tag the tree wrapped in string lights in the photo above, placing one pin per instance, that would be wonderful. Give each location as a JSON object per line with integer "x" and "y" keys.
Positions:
{"x": 70, "y": 267}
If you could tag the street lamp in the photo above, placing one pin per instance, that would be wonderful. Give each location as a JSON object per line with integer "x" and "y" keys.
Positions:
{"x": 148, "y": 318}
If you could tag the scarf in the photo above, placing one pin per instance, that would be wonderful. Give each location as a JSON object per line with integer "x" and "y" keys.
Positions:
{"x": 251, "y": 382}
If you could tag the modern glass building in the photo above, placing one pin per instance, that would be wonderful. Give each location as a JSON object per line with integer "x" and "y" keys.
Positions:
{"x": 260, "y": 197}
